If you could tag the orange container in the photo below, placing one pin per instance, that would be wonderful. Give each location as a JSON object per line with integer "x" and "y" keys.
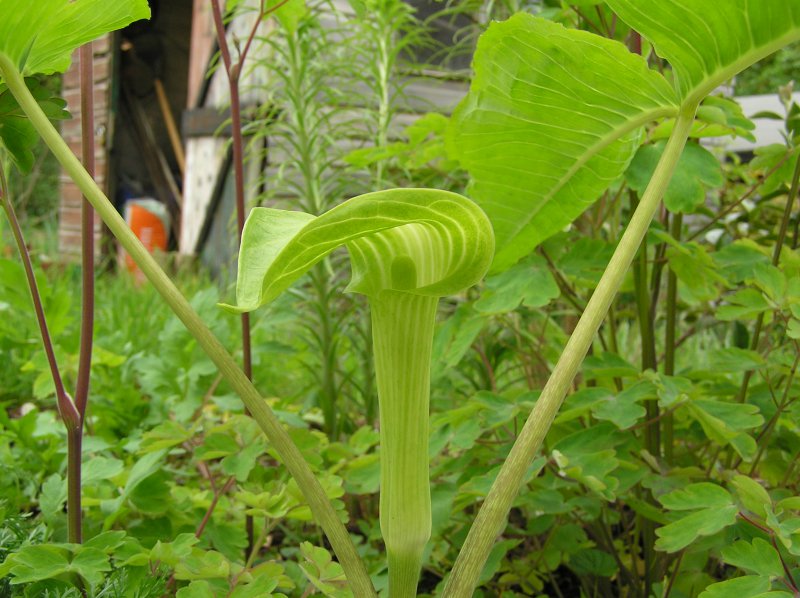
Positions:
{"x": 149, "y": 221}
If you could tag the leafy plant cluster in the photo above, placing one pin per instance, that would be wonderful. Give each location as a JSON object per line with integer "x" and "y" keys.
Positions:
{"x": 670, "y": 470}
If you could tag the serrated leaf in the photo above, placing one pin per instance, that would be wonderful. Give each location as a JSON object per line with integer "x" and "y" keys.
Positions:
{"x": 759, "y": 557}
{"x": 706, "y": 522}
{"x": 39, "y": 37}
{"x": 551, "y": 120}
{"x": 749, "y": 586}
{"x": 752, "y": 495}
{"x": 696, "y": 496}
{"x": 739, "y": 259}
{"x": 202, "y": 564}
{"x": 530, "y": 284}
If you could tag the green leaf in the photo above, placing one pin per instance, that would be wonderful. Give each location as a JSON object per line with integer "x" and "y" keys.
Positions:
{"x": 696, "y": 496}
{"x": 623, "y": 409}
{"x": 202, "y": 564}
{"x": 713, "y": 511}
{"x": 752, "y": 495}
{"x": 325, "y": 574}
{"x": 591, "y": 561}
{"x": 739, "y": 259}
{"x": 170, "y": 553}
{"x": 151, "y": 495}
{"x": 733, "y": 360}
{"x": 759, "y": 557}
{"x": 749, "y": 586}
{"x": 694, "y": 268}
{"x": 707, "y": 43}
{"x": 744, "y": 304}
{"x": 39, "y": 37}
{"x": 47, "y": 561}
{"x": 530, "y": 284}
{"x": 16, "y": 132}
{"x": 706, "y": 522}
{"x": 101, "y": 468}
{"x": 288, "y": 12}
{"x": 552, "y": 118}
{"x": 34, "y": 563}
{"x": 420, "y": 241}
{"x": 697, "y": 170}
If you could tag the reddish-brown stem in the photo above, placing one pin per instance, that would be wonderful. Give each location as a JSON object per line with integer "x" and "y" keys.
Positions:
{"x": 66, "y": 407}
{"x": 210, "y": 511}
{"x": 87, "y": 233}
{"x": 234, "y": 71}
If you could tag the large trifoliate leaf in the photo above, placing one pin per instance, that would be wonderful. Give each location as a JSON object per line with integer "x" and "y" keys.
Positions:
{"x": 39, "y": 36}
{"x": 551, "y": 120}
{"x": 707, "y": 42}
{"x": 420, "y": 241}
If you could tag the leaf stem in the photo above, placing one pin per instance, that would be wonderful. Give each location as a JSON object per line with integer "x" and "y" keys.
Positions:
{"x": 321, "y": 507}
{"x": 493, "y": 514}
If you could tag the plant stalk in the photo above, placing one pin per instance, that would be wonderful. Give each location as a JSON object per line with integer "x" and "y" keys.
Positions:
{"x": 493, "y": 514}
{"x": 402, "y": 326}
{"x": 66, "y": 406}
{"x": 321, "y": 507}
{"x": 670, "y": 339}
{"x": 234, "y": 71}
{"x": 87, "y": 233}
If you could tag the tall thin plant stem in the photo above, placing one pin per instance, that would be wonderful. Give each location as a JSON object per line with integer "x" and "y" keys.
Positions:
{"x": 670, "y": 339}
{"x": 320, "y": 505}
{"x": 493, "y": 513}
{"x": 66, "y": 406}
{"x": 233, "y": 72}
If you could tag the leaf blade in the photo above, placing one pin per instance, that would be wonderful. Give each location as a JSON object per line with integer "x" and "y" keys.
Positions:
{"x": 532, "y": 173}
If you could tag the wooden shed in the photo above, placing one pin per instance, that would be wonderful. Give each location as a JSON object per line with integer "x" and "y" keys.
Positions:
{"x": 135, "y": 155}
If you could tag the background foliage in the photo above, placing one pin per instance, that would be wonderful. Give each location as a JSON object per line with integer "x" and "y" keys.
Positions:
{"x": 172, "y": 466}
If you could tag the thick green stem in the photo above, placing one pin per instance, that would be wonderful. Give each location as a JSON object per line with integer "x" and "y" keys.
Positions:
{"x": 493, "y": 514}
{"x": 402, "y": 327}
{"x": 321, "y": 507}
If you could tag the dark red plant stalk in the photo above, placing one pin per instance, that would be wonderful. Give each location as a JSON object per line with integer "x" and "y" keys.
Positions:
{"x": 66, "y": 407}
{"x": 87, "y": 231}
{"x": 234, "y": 71}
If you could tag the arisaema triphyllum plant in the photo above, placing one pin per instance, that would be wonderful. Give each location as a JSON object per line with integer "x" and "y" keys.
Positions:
{"x": 408, "y": 248}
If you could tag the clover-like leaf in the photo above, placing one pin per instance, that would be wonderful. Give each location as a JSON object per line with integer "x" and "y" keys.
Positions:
{"x": 39, "y": 37}
{"x": 551, "y": 120}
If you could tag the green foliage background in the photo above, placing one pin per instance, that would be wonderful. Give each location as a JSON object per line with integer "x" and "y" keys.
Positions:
{"x": 172, "y": 465}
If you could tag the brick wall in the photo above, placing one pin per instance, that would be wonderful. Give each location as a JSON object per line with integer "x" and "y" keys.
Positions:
{"x": 69, "y": 226}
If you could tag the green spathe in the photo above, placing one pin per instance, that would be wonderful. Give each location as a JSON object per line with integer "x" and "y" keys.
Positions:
{"x": 445, "y": 238}
{"x": 408, "y": 247}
